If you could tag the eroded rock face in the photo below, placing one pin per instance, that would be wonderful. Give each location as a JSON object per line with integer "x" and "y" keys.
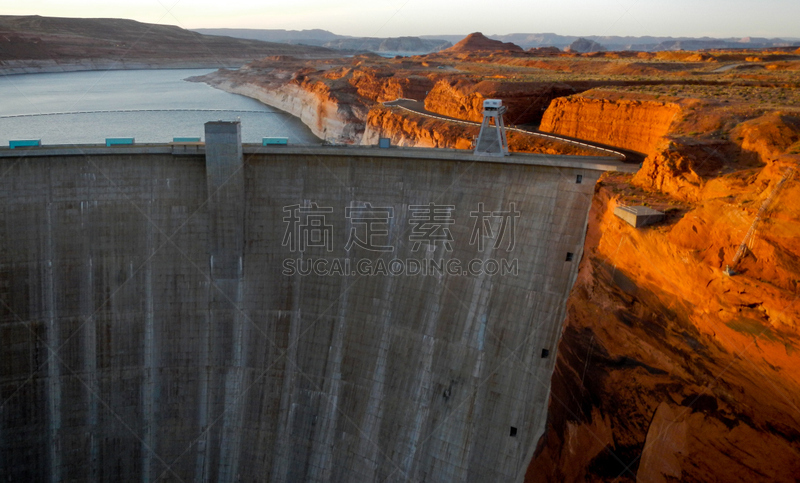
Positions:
{"x": 327, "y": 118}
{"x": 676, "y": 169}
{"x": 769, "y": 136}
{"x": 407, "y": 129}
{"x": 462, "y": 99}
{"x": 668, "y": 369}
{"x": 333, "y": 102}
{"x": 381, "y": 86}
{"x": 410, "y": 130}
{"x": 631, "y": 124}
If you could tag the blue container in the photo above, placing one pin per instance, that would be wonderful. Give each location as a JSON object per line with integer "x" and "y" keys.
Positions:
{"x": 185, "y": 140}
{"x": 24, "y": 143}
{"x": 274, "y": 141}
{"x": 119, "y": 141}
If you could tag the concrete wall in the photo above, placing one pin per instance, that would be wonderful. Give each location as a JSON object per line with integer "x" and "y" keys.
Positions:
{"x": 125, "y": 357}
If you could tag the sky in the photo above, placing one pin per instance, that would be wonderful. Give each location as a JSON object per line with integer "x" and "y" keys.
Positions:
{"x": 394, "y": 18}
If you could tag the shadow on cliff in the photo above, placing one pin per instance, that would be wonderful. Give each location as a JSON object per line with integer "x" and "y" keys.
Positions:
{"x": 623, "y": 355}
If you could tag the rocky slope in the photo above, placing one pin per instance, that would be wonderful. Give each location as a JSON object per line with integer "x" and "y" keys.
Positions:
{"x": 668, "y": 369}
{"x": 312, "y": 102}
{"x": 50, "y": 44}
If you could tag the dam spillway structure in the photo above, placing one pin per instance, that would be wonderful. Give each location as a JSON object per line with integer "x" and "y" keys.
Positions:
{"x": 290, "y": 313}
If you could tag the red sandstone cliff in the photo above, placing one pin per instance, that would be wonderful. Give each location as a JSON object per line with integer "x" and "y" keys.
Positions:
{"x": 631, "y": 124}
{"x": 463, "y": 99}
{"x": 312, "y": 102}
{"x": 668, "y": 369}
{"x": 341, "y": 103}
{"x": 380, "y": 85}
{"x": 408, "y": 129}
{"x": 333, "y": 103}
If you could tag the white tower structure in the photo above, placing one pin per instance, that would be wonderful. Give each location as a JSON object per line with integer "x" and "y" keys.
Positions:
{"x": 492, "y": 138}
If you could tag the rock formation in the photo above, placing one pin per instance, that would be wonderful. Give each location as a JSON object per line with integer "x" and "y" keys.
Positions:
{"x": 668, "y": 369}
{"x": 632, "y": 124}
{"x": 477, "y": 42}
{"x": 463, "y": 99}
{"x": 544, "y": 50}
{"x": 584, "y": 45}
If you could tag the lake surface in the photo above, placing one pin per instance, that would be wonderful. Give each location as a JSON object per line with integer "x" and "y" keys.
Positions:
{"x": 152, "y": 106}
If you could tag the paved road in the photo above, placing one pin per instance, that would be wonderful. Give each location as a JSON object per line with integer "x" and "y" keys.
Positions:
{"x": 727, "y": 67}
{"x": 626, "y": 155}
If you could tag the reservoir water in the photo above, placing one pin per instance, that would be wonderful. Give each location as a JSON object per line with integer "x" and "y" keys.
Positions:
{"x": 151, "y": 106}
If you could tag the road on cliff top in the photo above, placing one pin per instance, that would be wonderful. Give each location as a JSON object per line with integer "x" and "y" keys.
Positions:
{"x": 627, "y": 155}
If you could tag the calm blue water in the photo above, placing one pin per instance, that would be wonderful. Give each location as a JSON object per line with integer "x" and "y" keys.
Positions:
{"x": 149, "y": 105}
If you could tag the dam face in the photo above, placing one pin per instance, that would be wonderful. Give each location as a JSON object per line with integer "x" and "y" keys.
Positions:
{"x": 255, "y": 316}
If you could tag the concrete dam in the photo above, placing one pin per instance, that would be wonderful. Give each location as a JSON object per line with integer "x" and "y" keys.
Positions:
{"x": 228, "y": 313}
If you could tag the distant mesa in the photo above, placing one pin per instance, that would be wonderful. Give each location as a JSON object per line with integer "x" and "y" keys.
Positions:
{"x": 583, "y": 46}
{"x": 544, "y": 50}
{"x": 477, "y": 42}
{"x": 324, "y": 38}
{"x": 398, "y": 44}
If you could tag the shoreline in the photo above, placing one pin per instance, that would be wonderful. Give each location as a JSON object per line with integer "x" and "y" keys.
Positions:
{"x": 49, "y": 66}
{"x": 11, "y": 67}
{"x": 327, "y": 119}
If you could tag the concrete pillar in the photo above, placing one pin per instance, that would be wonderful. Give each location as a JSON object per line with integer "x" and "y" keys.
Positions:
{"x": 227, "y": 324}
{"x": 225, "y": 178}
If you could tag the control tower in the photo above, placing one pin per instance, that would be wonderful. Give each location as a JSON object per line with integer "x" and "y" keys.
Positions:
{"x": 492, "y": 138}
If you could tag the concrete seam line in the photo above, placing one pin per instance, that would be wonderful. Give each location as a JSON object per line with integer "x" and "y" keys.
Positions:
{"x": 51, "y": 359}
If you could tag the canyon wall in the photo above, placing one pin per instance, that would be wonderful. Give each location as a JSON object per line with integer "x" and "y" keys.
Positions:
{"x": 380, "y": 85}
{"x": 526, "y": 101}
{"x": 630, "y": 124}
{"x": 669, "y": 369}
{"x": 328, "y": 119}
{"x": 406, "y": 128}
{"x": 166, "y": 316}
